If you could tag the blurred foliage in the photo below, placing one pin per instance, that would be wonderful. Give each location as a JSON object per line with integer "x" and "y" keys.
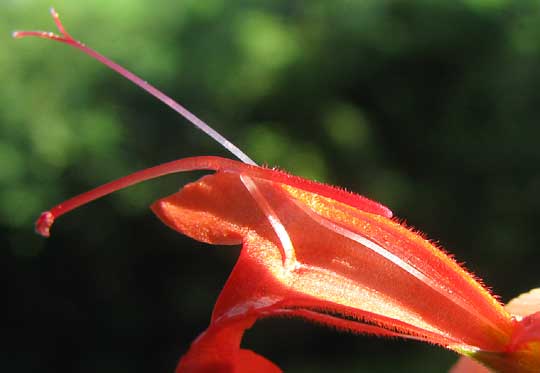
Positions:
{"x": 430, "y": 107}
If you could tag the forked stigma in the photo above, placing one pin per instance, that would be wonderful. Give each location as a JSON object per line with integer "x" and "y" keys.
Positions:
{"x": 64, "y": 36}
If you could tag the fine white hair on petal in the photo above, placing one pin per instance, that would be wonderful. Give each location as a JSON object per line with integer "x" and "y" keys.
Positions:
{"x": 375, "y": 247}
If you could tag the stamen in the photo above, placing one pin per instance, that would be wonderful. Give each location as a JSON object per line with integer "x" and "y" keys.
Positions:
{"x": 43, "y": 224}
{"x": 289, "y": 255}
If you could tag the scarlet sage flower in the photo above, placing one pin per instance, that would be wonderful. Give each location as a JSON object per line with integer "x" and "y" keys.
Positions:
{"x": 319, "y": 253}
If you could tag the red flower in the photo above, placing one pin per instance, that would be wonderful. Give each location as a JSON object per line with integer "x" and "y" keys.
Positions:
{"x": 319, "y": 253}
{"x": 314, "y": 257}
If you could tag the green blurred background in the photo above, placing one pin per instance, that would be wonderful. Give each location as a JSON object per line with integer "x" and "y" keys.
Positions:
{"x": 431, "y": 107}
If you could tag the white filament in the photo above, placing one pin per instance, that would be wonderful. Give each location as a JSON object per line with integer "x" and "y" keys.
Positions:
{"x": 289, "y": 256}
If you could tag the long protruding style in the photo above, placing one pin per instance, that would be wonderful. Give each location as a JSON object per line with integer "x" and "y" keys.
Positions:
{"x": 65, "y": 37}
